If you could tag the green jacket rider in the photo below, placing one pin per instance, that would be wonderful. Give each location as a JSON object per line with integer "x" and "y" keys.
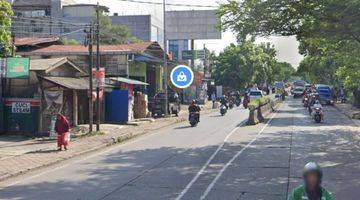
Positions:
{"x": 312, "y": 189}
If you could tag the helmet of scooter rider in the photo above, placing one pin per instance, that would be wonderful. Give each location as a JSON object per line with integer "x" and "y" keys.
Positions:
{"x": 317, "y": 102}
{"x": 193, "y": 102}
{"x": 313, "y": 167}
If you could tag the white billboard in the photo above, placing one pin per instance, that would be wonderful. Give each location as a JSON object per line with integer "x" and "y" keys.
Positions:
{"x": 192, "y": 24}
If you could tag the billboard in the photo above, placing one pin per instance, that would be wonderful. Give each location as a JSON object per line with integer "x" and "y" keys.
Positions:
{"x": 192, "y": 24}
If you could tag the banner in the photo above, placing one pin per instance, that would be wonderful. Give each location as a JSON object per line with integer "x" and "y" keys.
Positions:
{"x": 98, "y": 77}
{"x": 17, "y": 68}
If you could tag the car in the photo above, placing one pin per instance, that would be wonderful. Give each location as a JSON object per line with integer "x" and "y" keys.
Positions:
{"x": 298, "y": 91}
{"x": 255, "y": 94}
{"x": 325, "y": 94}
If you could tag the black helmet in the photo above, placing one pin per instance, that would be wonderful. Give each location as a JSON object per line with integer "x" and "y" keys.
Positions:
{"x": 313, "y": 167}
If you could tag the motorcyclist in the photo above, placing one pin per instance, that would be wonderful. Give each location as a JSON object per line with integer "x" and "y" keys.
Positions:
{"x": 224, "y": 101}
{"x": 311, "y": 188}
{"x": 194, "y": 108}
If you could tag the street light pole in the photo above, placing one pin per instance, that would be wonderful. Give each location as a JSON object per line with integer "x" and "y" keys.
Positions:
{"x": 165, "y": 60}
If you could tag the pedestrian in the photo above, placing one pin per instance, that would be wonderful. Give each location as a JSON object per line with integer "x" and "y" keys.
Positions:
{"x": 62, "y": 127}
{"x": 213, "y": 99}
{"x": 311, "y": 189}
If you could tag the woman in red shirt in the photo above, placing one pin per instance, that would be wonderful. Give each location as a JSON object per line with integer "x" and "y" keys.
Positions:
{"x": 62, "y": 127}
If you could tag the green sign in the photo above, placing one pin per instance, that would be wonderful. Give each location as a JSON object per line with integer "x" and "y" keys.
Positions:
{"x": 195, "y": 54}
{"x": 17, "y": 67}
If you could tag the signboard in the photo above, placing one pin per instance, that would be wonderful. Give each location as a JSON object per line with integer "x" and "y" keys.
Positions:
{"x": 17, "y": 67}
{"x": 182, "y": 76}
{"x": 20, "y": 107}
{"x": 99, "y": 77}
{"x": 196, "y": 54}
{"x": 192, "y": 24}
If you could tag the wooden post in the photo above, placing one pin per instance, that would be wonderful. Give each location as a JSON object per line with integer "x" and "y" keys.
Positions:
{"x": 75, "y": 108}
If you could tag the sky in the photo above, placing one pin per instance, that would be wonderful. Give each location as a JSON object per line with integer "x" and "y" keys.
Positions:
{"x": 287, "y": 47}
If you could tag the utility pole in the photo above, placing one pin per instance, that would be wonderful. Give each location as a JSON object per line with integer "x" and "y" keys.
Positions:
{"x": 98, "y": 109}
{"x": 165, "y": 61}
{"x": 192, "y": 64}
{"x": 91, "y": 58}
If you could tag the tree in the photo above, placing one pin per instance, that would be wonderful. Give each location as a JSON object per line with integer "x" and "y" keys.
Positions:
{"x": 328, "y": 32}
{"x": 5, "y": 25}
{"x": 67, "y": 41}
{"x": 240, "y": 65}
{"x": 114, "y": 34}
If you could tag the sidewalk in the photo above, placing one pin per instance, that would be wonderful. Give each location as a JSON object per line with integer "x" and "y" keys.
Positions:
{"x": 350, "y": 111}
{"x": 18, "y": 155}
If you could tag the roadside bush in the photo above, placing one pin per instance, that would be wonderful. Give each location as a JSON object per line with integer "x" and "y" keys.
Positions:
{"x": 254, "y": 103}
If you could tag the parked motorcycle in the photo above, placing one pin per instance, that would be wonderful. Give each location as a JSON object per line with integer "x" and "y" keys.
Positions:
{"x": 223, "y": 110}
{"x": 194, "y": 119}
{"x": 317, "y": 115}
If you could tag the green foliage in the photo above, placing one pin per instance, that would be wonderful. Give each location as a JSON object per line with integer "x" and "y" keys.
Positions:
{"x": 67, "y": 41}
{"x": 114, "y": 34}
{"x": 5, "y": 24}
{"x": 254, "y": 103}
{"x": 241, "y": 65}
{"x": 328, "y": 32}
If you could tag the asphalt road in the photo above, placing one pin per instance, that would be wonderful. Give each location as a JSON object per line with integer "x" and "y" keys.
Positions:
{"x": 219, "y": 159}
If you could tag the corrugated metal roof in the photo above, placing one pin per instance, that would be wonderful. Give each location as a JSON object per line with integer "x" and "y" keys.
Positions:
{"x": 69, "y": 82}
{"x": 128, "y": 81}
{"x": 44, "y": 64}
{"x": 81, "y": 49}
{"x": 31, "y": 41}
{"x": 50, "y": 64}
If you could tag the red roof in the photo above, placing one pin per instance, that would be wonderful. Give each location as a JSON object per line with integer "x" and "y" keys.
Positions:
{"x": 81, "y": 49}
{"x": 30, "y": 41}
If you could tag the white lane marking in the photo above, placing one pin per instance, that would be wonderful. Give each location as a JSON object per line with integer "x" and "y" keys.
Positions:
{"x": 209, "y": 188}
{"x": 188, "y": 186}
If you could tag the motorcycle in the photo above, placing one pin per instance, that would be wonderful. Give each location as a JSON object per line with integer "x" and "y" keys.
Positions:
{"x": 317, "y": 115}
{"x": 231, "y": 105}
{"x": 238, "y": 102}
{"x": 223, "y": 110}
{"x": 306, "y": 102}
{"x": 194, "y": 119}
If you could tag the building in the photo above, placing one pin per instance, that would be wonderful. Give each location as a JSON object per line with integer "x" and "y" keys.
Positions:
{"x": 140, "y": 61}
{"x": 54, "y": 85}
{"x": 44, "y": 18}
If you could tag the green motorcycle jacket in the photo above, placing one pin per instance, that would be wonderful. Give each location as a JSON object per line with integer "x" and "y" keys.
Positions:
{"x": 299, "y": 193}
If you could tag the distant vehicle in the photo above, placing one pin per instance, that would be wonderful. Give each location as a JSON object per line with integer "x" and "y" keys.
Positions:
{"x": 298, "y": 91}
{"x": 299, "y": 83}
{"x": 307, "y": 86}
{"x": 223, "y": 110}
{"x": 255, "y": 94}
{"x": 324, "y": 93}
{"x": 158, "y": 109}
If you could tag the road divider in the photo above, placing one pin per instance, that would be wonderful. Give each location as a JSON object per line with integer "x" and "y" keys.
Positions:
{"x": 263, "y": 108}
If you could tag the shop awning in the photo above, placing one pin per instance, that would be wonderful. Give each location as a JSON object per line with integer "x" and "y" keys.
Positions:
{"x": 69, "y": 82}
{"x": 128, "y": 81}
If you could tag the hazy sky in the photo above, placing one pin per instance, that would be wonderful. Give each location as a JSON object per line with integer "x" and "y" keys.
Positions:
{"x": 285, "y": 46}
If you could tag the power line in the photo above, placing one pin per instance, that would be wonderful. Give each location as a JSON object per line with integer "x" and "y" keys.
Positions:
{"x": 170, "y": 4}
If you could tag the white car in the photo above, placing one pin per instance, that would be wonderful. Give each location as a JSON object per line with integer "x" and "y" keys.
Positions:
{"x": 255, "y": 94}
